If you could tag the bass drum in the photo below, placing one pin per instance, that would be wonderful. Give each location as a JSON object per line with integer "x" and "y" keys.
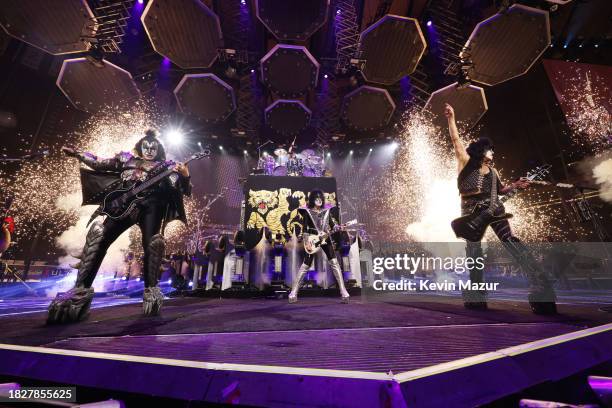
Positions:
{"x": 309, "y": 172}
{"x": 280, "y": 171}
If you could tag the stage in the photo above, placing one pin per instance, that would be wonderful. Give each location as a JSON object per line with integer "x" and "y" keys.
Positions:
{"x": 388, "y": 350}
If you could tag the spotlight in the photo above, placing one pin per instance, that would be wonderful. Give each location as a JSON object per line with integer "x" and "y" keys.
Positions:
{"x": 351, "y": 152}
{"x": 190, "y": 284}
{"x": 394, "y": 145}
{"x": 371, "y": 149}
{"x": 175, "y": 137}
{"x": 220, "y": 147}
{"x": 140, "y": 1}
{"x": 580, "y": 45}
{"x": 265, "y": 153}
{"x": 596, "y": 45}
{"x": 328, "y": 154}
{"x": 429, "y": 23}
{"x": 138, "y": 279}
{"x": 199, "y": 143}
{"x": 123, "y": 278}
{"x": 245, "y": 152}
{"x": 325, "y": 76}
{"x": 252, "y": 71}
{"x": 243, "y": 2}
{"x": 338, "y": 11}
{"x": 169, "y": 281}
{"x": 564, "y": 45}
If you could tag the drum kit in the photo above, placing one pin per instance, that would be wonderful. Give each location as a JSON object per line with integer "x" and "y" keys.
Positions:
{"x": 283, "y": 163}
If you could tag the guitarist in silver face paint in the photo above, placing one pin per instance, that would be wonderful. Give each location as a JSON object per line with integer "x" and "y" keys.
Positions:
{"x": 163, "y": 204}
{"x": 318, "y": 219}
{"x": 479, "y": 185}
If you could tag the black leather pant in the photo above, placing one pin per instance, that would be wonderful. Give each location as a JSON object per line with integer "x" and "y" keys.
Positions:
{"x": 538, "y": 282}
{"x": 149, "y": 216}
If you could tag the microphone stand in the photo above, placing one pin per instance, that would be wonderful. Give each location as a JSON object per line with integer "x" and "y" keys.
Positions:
{"x": 260, "y": 146}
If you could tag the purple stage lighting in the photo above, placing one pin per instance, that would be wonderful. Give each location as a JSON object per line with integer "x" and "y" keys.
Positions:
{"x": 140, "y": 1}
{"x": 325, "y": 76}
{"x": 429, "y": 23}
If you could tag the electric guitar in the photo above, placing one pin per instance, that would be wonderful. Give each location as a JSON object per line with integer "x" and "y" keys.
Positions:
{"x": 472, "y": 227}
{"x": 119, "y": 203}
{"x": 313, "y": 243}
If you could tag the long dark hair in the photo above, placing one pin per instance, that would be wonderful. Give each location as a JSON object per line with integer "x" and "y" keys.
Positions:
{"x": 151, "y": 136}
{"x": 476, "y": 150}
{"x": 312, "y": 196}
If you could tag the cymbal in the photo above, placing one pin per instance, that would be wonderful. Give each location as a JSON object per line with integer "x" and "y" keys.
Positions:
{"x": 280, "y": 152}
{"x": 315, "y": 159}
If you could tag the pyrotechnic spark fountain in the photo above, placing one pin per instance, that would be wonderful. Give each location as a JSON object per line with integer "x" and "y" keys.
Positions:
{"x": 47, "y": 192}
{"x": 421, "y": 198}
{"x": 588, "y": 113}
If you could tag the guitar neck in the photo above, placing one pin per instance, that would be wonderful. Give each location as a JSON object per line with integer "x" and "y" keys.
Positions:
{"x": 155, "y": 179}
{"x": 152, "y": 181}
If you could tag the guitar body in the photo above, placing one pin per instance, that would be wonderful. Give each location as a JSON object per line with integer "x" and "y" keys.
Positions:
{"x": 119, "y": 203}
{"x": 314, "y": 243}
{"x": 472, "y": 227}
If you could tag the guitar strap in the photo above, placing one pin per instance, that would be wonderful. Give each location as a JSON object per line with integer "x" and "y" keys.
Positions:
{"x": 493, "y": 188}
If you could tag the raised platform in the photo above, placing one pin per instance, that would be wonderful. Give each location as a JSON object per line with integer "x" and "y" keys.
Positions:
{"x": 387, "y": 351}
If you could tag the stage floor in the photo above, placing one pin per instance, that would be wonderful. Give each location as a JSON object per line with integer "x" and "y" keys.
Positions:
{"x": 373, "y": 338}
{"x": 205, "y": 315}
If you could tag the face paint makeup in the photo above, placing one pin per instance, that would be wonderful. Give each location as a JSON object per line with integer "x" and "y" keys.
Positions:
{"x": 149, "y": 150}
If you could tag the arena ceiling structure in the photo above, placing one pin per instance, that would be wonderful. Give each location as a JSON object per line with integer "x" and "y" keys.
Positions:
{"x": 328, "y": 71}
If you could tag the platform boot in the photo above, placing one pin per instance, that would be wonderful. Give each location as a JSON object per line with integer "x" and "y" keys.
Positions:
{"x": 73, "y": 306}
{"x": 298, "y": 282}
{"x": 152, "y": 297}
{"x": 335, "y": 267}
{"x": 542, "y": 297}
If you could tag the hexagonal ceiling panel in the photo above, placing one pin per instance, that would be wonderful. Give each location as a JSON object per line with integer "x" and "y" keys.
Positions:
{"x": 206, "y": 97}
{"x": 469, "y": 103}
{"x": 292, "y": 19}
{"x": 507, "y": 44}
{"x": 92, "y": 88}
{"x": 367, "y": 108}
{"x": 53, "y": 26}
{"x": 288, "y": 117}
{"x": 289, "y": 71}
{"x": 185, "y": 31}
{"x": 392, "y": 48}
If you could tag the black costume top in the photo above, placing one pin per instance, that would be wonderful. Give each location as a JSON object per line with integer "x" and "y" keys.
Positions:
{"x": 475, "y": 187}
{"x": 475, "y": 182}
{"x": 323, "y": 221}
{"x": 124, "y": 170}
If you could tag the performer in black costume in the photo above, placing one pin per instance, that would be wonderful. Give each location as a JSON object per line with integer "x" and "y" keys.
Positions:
{"x": 475, "y": 165}
{"x": 164, "y": 204}
{"x": 316, "y": 218}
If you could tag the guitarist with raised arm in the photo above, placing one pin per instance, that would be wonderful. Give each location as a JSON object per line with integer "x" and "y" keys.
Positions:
{"x": 480, "y": 186}
{"x": 158, "y": 205}
{"x": 319, "y": 221}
